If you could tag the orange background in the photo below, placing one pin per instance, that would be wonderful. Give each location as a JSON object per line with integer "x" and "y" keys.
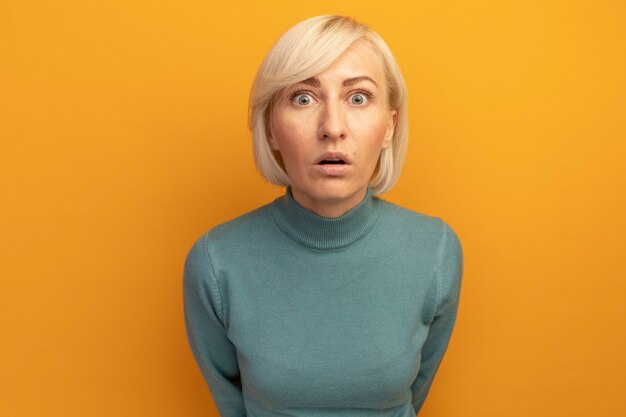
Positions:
{"x": 123, "y": 138}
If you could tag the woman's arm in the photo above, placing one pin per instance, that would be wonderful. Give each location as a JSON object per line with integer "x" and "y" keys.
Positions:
{"x": 449, "y": 276}
{"x": 215, "y": 354}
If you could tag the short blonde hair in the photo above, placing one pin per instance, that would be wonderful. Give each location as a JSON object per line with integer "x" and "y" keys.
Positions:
{"x": 304, "y": 51}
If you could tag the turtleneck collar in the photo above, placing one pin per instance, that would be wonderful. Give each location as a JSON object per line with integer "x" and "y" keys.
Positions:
{"x": 314, "y": 231}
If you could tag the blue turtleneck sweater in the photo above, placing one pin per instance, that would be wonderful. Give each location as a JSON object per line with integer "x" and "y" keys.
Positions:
{"x": 292, "y": 314}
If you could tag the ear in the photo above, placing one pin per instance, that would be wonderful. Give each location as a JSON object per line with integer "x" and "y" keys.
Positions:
{"x": 273, "y": 143}
{"x": 271, "y": 140}
{"x": 391, "y": 127}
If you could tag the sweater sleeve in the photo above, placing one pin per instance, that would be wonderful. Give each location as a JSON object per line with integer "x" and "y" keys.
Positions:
{"x": 213, "y": 351}
{"x": 449, "y": 275}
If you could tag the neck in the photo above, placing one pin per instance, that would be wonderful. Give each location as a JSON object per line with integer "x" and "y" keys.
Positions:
{"x": 331, "y": 208}
{"x": 318, "y": 232}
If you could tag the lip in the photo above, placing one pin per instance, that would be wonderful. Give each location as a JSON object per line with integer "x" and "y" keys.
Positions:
{"x": 334, "y": 155}
{"x": 333, "y": 170}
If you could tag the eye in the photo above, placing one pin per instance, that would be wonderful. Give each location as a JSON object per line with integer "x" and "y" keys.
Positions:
{"x": 304, "y": 99}
{"x": 360, "y": 98}
{"x": 301, "y": 98}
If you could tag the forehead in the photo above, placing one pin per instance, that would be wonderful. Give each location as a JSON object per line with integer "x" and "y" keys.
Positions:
{"x": 360, "y": 59}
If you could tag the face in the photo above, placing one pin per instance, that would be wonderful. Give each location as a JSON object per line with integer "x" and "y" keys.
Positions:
{"x": 331, "y": 128}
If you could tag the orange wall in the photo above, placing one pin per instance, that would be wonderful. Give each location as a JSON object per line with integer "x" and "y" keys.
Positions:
{"x": 123, "y": 138}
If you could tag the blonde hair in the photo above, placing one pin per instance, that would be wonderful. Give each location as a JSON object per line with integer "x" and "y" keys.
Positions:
{"x": 304, "y": 51}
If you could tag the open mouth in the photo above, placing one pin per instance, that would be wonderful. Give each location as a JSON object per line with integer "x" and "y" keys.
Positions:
{"x": 333, "y": 158}
{"x": 332, "y": 162}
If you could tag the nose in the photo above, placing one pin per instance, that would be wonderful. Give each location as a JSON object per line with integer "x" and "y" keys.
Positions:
{"x": 332, "y": 122}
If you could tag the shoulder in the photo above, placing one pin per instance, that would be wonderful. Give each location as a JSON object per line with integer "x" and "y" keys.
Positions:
{"x": 413, "y": 223}
{"x": 426, "y": 234}
{"x": 241, "y": 227}
{"x": 222, "y": 241}
{"x": 232, "y": 236}
{"x": 404, "y": 214}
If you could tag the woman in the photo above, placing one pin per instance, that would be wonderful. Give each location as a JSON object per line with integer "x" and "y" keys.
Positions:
{"x": 329, "y": 300}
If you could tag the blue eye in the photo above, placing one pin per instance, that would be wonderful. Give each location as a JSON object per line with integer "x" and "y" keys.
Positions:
{"x": 301, "y": 99}
{"x": 358, "y": 99}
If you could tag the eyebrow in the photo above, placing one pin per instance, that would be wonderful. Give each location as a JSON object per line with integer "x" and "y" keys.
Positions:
{"x": 314, "y": 82}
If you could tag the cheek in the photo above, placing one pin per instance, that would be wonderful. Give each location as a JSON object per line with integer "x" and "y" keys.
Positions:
{"x": 287, "y": 130}
{"x": 372, "y": 131}
{"x": 288, "y": 139}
